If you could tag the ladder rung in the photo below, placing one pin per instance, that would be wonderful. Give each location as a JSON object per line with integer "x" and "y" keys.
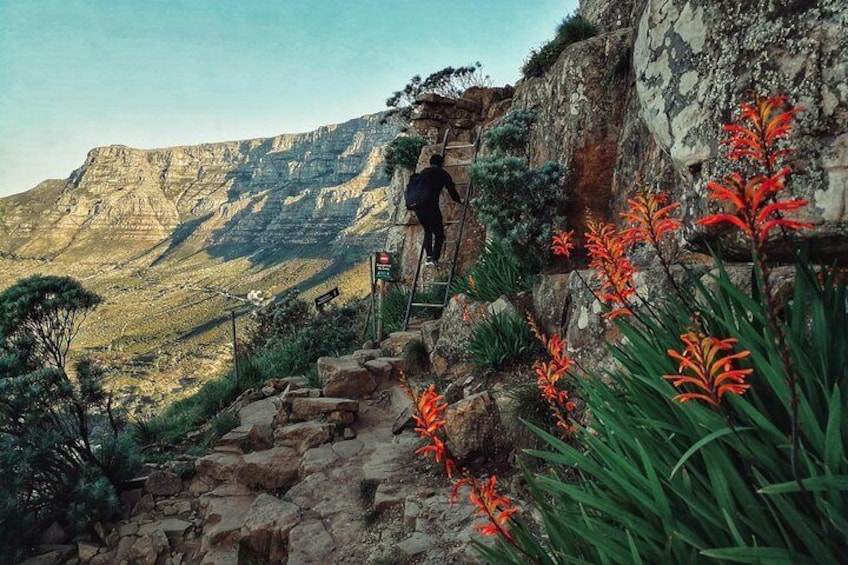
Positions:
{"x": 457, "y": 164}
{"x": 465, "y": 146}
{"x": 438, "y": 283}
{"x": 428, "y": 305}
{"x": 452, "y": 222}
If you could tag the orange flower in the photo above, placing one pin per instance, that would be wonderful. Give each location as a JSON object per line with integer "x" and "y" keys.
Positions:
{"x": 760, "y": 140}
{"x": 429, "y": 419}
{"x": 702, "y": 366}
{"x": 549, "y": 375}
{"x": 562, "y": 243}
{"x": 755, "y": 214}
{"x": 649, "y": 219}
{"x": 608, "y": 250}
{"x": 754, "y": 206}
{"x": 496, "y": 508}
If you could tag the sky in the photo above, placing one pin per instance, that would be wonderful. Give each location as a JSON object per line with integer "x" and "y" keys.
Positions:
{"x": 78, "y": 74}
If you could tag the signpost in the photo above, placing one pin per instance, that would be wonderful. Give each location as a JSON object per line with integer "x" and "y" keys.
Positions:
{"x": 385, "y": 269}
{"x": 326, "y": 297}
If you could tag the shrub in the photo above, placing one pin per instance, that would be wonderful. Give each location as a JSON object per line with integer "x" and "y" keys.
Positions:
{"x": 449, "y": 82}
{"x": 519, "y": 204}
{"x": 572, "y": 29}
{"x": 501, "y": 339}
{"x": 512, "y": 135}
{"x": 62, "y": 452}
{"x": 496, "y": 272}
{"x": 415, "y": 355}
{"x": 278, "y": 321}
{"x": 403, "y": 152}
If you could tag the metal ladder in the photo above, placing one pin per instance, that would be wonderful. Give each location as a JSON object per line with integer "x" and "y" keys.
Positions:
{"x": 455, "y": 226}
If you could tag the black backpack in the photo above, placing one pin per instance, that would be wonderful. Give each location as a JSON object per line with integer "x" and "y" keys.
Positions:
{"x": 417, "y": 192}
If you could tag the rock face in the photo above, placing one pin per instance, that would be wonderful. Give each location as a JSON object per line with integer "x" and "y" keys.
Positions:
{"x": 285, "y": 190}
{"x": 694, "y": 61}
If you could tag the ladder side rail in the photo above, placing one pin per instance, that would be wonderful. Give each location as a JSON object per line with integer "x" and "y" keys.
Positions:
{"x": 466, "y": 198}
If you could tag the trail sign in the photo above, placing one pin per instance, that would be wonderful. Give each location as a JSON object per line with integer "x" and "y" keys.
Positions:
{"x": 326, "y": 297}
{"x": 385, "y": 268}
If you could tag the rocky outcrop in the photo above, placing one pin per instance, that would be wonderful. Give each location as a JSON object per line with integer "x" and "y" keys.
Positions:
{"x": 294, "y": 189}
{"x": 695, "y": 60}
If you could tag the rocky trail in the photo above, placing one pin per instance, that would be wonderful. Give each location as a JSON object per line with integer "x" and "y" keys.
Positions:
{"x": 305, "y": 478}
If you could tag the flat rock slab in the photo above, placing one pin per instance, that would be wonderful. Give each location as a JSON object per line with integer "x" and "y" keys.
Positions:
{"x": 303, "y": 435}
{"x": 309, "y": 408}
{"x": 220, "y": 466}
{"x": 260, "y": 414}
{"x": 347, "y": 449}
{"x": 363, "y": 355}
{"x": 310, "y": 544}
{"x": 398, "y": 340}
{"x": 345, "y": 378}
{"x": 381, "y": 369}
{"x": 267, "y": 525}
{"x": 224, "y": 517}
{"x": 163, "y": 483}
{"x": 247, "y": 437}
{"x": 317, "y": 459}
{"x": 388, "y": 495}
{"x": 273, "y": 468}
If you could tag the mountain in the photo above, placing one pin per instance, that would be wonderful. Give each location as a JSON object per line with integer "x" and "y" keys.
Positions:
{"x": 170, "y": 236}
{"x": 125, "y": 203}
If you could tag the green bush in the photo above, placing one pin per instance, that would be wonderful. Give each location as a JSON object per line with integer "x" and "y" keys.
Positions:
{"x": 520, "y": 204}
{"x": 512, "y": 135}
{"x": 572, "y": 29}
{"x": 663, "y": 482}
{"x": 278, "y": 321}
{"x": 62, "y": 450}
{"x": 501, "y": 339}
{"x": 449, "y": 82}
{"x": 496, "y": 272}
{"x": 403, "y": 152}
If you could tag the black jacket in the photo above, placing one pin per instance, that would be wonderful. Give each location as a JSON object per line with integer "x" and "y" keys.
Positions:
{"x": 437, "y": 178}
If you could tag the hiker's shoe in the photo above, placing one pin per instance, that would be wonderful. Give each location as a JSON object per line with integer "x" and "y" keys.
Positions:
{"x": 431, "y": 263}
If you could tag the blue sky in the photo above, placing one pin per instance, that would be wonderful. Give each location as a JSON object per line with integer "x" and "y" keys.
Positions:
{"x": 76, "y": 74}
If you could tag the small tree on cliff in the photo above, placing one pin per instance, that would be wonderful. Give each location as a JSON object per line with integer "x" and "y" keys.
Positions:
{"x": 449, "y": 82}
{"x": 518, "y": 203}
{"x": 55, "y": 466}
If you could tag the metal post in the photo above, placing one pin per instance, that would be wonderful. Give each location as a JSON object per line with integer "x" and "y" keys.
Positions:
{"x": 380, "y": 311}
{"x": 235, "y": 347}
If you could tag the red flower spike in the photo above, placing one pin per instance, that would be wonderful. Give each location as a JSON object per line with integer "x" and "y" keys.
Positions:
{"x": 608, "y": 251}
{"x": 496, "y": 508}
{"x": 563, "y": 245}
{"x": 757, "y": 137}
{"x": 760, "y": 131}
{"x": 701, "y": 366}
{"x": 649, "y": 219}
{"x": 549, "y": 375}
{"x": 429, "y": 419}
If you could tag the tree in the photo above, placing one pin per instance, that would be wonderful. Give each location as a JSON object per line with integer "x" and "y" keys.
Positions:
{"x": 449, "y": 82}
{"x": 61, "y": 447}
{"x": 41, "y": 315}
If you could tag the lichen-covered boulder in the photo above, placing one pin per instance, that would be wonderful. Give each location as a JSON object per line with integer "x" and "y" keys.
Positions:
{"x": 450, "y": 355}
{"x": 472, "y": 426}
{"x": 695, "y": 60}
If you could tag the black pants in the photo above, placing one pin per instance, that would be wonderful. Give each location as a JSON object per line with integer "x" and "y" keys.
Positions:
{"x": 431, "y": 219}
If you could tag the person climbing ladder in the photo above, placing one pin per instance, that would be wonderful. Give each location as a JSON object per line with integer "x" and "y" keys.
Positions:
{"x": 432, "y": 180}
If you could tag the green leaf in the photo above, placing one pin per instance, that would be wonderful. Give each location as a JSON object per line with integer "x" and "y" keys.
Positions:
{"x": 701, "y": 443}
{"x": 770, "y": 555}
{"x": 812, "y": 484}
